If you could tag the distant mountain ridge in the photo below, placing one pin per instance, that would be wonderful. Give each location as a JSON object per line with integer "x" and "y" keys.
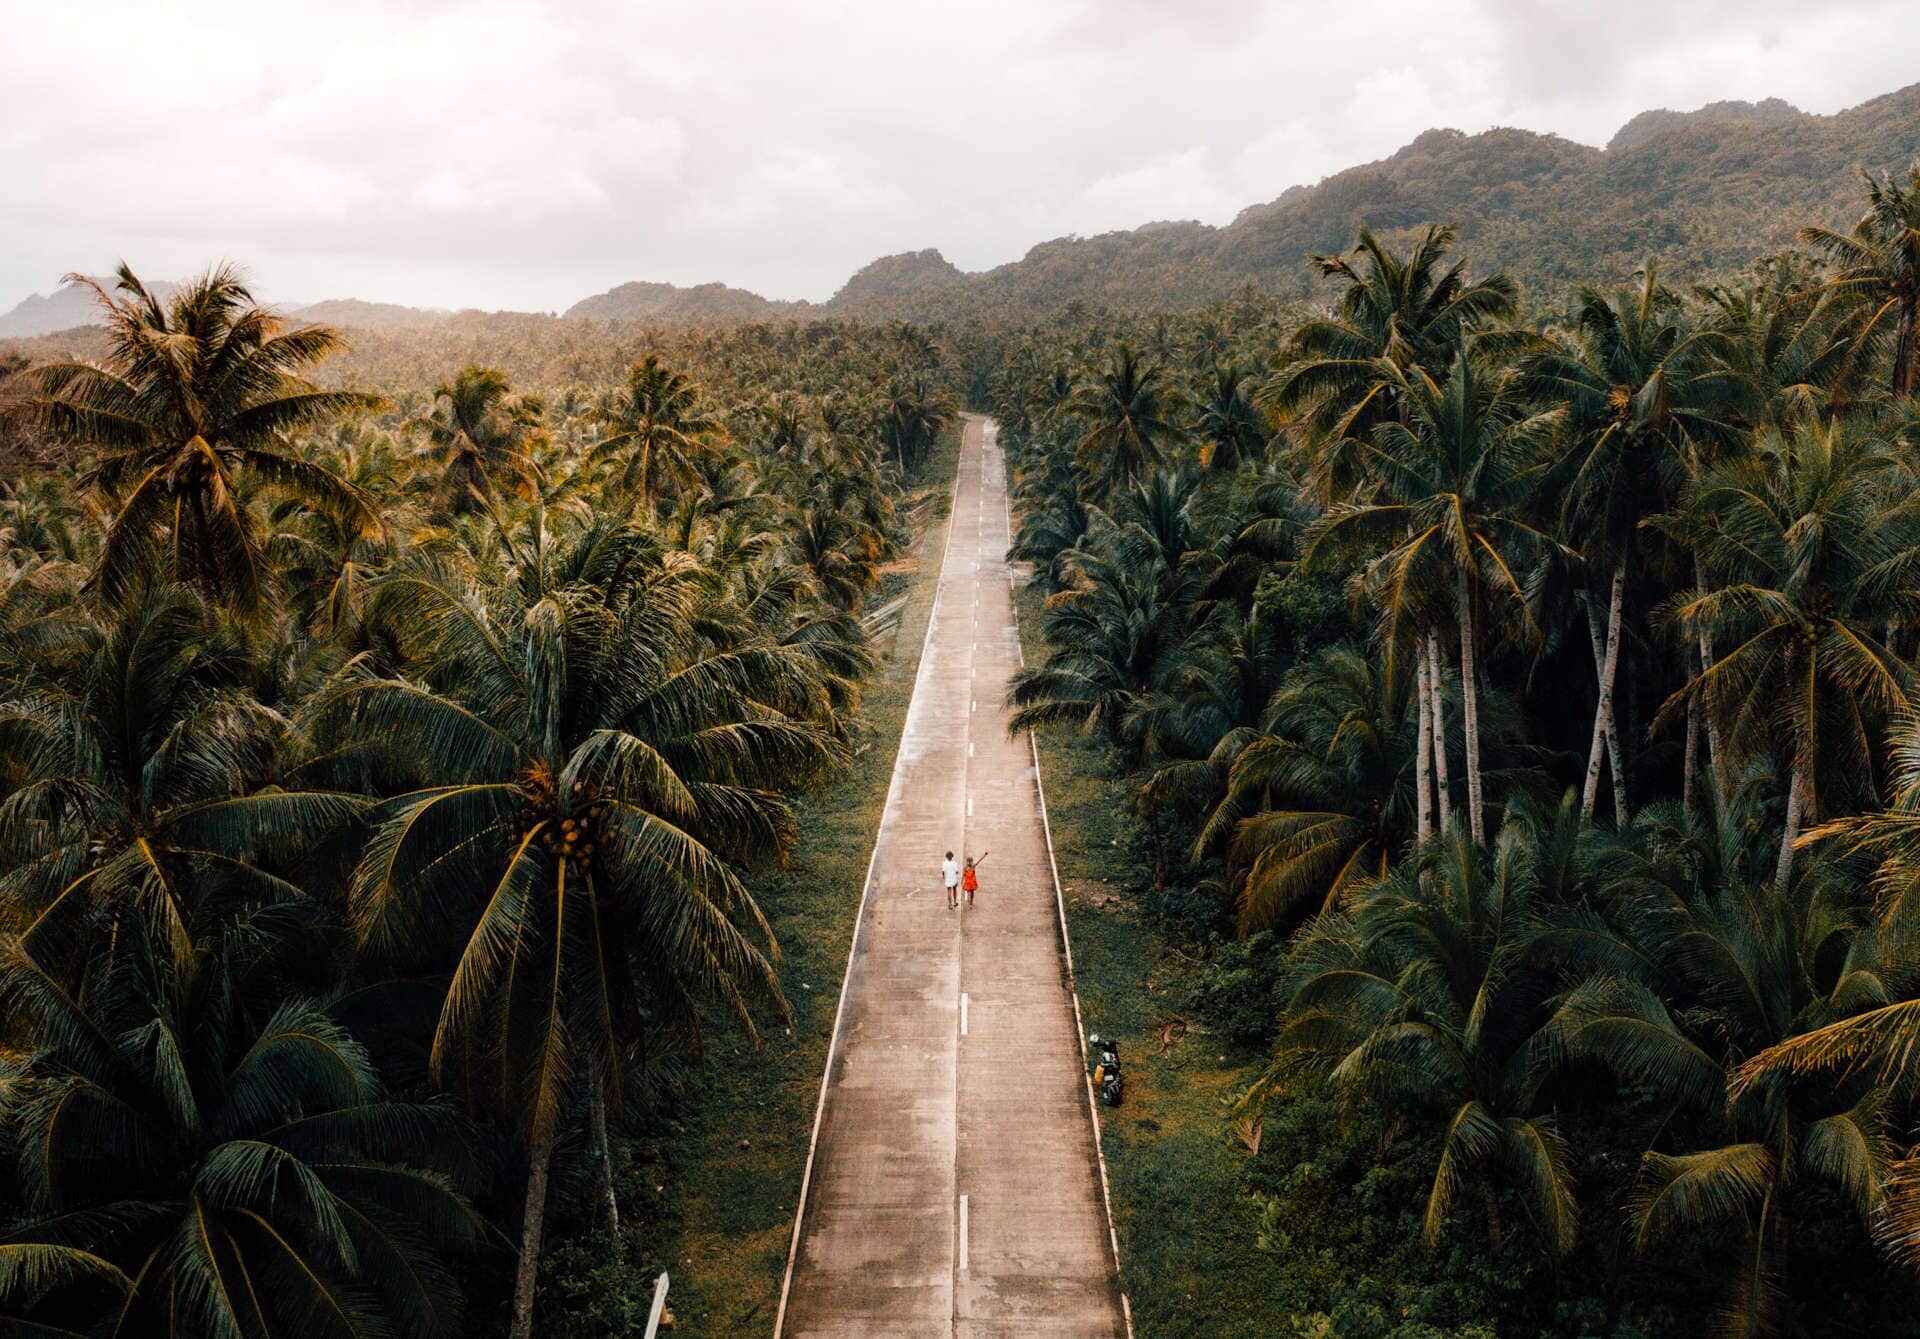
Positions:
{"x": 1703, "y": 192}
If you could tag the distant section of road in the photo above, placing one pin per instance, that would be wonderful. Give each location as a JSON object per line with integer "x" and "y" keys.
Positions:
{"x": 954, "y": 1187}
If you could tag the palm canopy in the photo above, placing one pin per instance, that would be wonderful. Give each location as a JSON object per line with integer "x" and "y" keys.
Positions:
{"x": 480, "y": 439}
{"x": 1129, "y": 413}
{"x": 1414, "y": 1000}
{"x": 1408, "y": 312}
{"x": 657, "y": 424}
{"x": 591, "y": 743}
{"x": 1812, "y": 548}
{"x": 194, "y": 394}
{"x": 1877, "y": 275}
{"x": 205, "y": 1155}
{"x": 145, "y": 786}
{"x": 1316, "y": 801}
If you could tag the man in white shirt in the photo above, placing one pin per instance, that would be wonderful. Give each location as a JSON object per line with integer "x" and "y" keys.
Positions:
{"x": 950, "y": 875}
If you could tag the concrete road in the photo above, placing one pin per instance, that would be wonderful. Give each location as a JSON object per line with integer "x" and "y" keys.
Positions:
{"x": 954, "y": 1187}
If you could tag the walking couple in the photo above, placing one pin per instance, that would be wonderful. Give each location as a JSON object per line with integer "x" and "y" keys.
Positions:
{"x": 958, "y": 880}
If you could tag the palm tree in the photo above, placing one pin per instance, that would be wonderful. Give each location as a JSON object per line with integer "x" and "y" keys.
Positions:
{"x": 193, "y": 398}
{"x": 201, "y": 1155}
{"x": 1414, "y": 1000}
{"x": 1712, "y": 967}
{"x": 1316, "y": 796}
{"x": 1406, "y": 311}
{"x": 1129, "y": 413}
{"x": 1812, "y": 546}
{"x": 1227, "y": 420}
{"x": 1877, "y": 275}
{"x": 1449, "y": 519}
{"x": 658, "y": 422}
{"x": 1638, "y": 393}
{"x": 480, "y": 440}
{"x": 145, "y": 794}
{"x": 913, "y": 414}
{"x": 588, "y": 761}
{"x": 1335, "y": 384}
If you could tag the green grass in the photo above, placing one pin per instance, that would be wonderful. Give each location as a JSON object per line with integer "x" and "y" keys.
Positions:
{"x": 711, "y": 1196}
{"x": 1188, "y": 1230}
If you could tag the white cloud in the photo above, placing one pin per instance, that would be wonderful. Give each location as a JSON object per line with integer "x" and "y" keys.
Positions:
{"x": 529, "y": 152}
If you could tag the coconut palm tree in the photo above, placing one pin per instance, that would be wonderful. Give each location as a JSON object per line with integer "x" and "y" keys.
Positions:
{"x": 200, "y": 1154}
{"x": 1811, "y": 545}
{"x": 1405, "y": 311}
{"x": 1639, "y": 394}
{"x": 1448, "y": 525}
{"x": 146, "y": 791}
{"x": 480, "y": 441}
{"x": 1227, "y": 421}
{"x": 1415, "y": 1000}
{"x": 192, "y": 400}
{"x": 588, "y": 759}
{"x": 658, "y": 423}
{"x": 1877, "y": 276}
{"x": 1128, "y": 415}
{"x": 1316, "y": 796}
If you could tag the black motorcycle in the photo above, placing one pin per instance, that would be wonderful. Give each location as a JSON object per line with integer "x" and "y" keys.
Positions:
{"x": 1107, "y": 1080}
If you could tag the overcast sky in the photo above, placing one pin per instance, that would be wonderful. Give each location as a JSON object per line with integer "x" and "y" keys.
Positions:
{"x": 525, "y": 155}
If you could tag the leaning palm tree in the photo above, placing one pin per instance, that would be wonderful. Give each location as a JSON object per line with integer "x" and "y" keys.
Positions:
{"x": 587, "y": 760}
{"x": 1812, "y": 546}
{"x": 191, "y": 401}
{"x": 201, "y": 1156}
{"x": 1448, "y": 527}
{"x": 1129, "y": 415}
{"x": 1415, "y": 1000}
{"x": 657, "y": 423}
{"x": 1877, "y": 276}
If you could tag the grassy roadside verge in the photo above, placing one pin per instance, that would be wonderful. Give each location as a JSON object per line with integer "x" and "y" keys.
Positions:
{"x": 712, "y": 1191}
{"x": 1188, "y": 1231}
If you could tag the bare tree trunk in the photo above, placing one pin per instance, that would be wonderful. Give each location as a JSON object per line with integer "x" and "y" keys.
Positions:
{"x": 539, "y": 1157}
{"x": 1423, "y": 805}
{"x": 1470, "y": 711}
{"x": 1442, "y": 786}
{"x": 1603, "y": 712}
{"x": 1796, "y": 799}
{"x": 603, "y": 1155}
{"x": 1716, "y": 755}
{"x": 1906, "y": 368}
{"x": 1690, "y": 770}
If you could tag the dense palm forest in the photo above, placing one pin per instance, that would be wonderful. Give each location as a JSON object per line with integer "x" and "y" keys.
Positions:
{"x": 386, "y": 760}
{"x": 1518, "y": 695}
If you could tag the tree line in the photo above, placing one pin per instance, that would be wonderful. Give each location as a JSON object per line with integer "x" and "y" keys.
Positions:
{"x": 381, "y": 782}
{"x": 1532, "y": 682}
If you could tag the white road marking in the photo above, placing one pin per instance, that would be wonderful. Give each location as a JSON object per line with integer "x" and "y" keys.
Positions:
{"x": 963, "y": 1235}
{"x": 969, "y": 750}
{"x": 969, "y": 806}
{"x": 963, "y": 1013}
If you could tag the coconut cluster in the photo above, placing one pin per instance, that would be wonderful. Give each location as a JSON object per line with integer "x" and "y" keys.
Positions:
{"x": 570, "y": 823}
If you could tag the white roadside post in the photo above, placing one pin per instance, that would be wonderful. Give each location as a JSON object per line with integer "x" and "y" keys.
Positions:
{"x": 659, "y": 1305}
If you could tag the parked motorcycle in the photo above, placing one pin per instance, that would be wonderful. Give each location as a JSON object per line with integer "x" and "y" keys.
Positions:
{"x": 1107, "y": 1079}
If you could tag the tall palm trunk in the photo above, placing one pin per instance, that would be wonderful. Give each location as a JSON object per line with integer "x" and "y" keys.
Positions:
{"x": 1603, "y": 713}
{"x": 1690, "y": 770}
{"x": 1470, "y": 709}
{"x": 1442, "y": 787}
{"x": 603, "y": 1155}
{"x": 1423, "y": 750}
{"x": 534, "y": 1219}
{"x": 1906, "y": 367}
{"x": 1796, "y": 800}
{"x": 1716, "y": 756}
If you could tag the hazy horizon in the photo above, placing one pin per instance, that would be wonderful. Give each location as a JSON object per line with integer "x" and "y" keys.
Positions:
{"x": 516, "y": 155}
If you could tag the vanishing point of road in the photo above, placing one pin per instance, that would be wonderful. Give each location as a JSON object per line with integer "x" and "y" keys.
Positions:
{"x": 954, "y": 1188}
